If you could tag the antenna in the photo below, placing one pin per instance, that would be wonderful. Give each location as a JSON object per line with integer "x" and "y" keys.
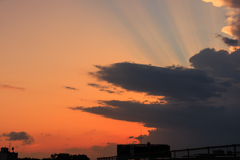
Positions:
{"x": 9, "y": 145}
{"x": 141, "y": 137}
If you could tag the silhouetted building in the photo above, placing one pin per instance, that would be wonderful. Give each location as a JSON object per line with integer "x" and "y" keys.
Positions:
{"x": 6, "y": 155}
{"x": 140, "y": 152}
{"x": 218, "y": 152}
{"x": 161, "y": 151}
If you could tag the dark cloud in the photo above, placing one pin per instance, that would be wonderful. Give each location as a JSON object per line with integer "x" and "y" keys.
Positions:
{"x": 182, "y": 139}
{"x": 11, "y": 87}
{"x": 202, "y": 102}
{"x": 72, "y": 88}
{"x": 229, "y": 41}
{"x": 180, "y": 125}
{"x": 140, "y": 138}
{"x": 218, "y": 63}
{"x": 180, "y": 83}
{"x": 19, "y": 136}
{"x": 108, "y": 150}
{"x": 104, "y": 88}
{"x": 175, "y": 116}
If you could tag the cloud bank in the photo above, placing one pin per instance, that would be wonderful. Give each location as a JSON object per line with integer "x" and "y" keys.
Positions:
{"x": 202, "y": 102}
{"x": 179, "y": 83}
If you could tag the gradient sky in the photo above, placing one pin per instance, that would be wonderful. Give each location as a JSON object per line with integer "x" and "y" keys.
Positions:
{"x": 83, "y": 76}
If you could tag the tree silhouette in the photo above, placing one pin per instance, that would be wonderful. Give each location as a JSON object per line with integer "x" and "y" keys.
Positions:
{"x": 28, "y": 158}
{"x": 66, "y": 156}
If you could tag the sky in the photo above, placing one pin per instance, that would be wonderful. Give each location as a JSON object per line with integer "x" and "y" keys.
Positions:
{"x": 80, "y": 77}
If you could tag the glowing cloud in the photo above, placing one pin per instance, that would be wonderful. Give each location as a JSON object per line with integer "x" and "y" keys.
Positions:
{"x": 233, "y": 20}
{"x": 227, "y": 3}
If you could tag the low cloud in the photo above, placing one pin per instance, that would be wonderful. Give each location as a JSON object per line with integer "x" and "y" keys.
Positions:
{"x": 11, "y": 87}
{"x": 174, "y": 116}
{"x": 180, "y": 125}
{"x": 182, "y": 139}
{"x": 19, "y": 136}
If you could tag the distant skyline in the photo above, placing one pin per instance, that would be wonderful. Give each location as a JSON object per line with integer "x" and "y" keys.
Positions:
{"x": 80, "y": 77}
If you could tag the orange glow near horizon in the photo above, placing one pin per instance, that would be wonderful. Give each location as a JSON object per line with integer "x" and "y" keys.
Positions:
{"x": 48, "y": 49}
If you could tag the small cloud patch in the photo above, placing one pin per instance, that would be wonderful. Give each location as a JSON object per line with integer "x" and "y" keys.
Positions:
{"x": 19, "y": 136}
{"x": 71, "y": 88}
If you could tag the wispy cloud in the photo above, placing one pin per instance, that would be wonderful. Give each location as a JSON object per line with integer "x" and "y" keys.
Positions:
{"x": 11, "y": 87}
{"x": 71, "y": 88}
{"x": 105, "y": 88}
{"x": 76, "y": 108}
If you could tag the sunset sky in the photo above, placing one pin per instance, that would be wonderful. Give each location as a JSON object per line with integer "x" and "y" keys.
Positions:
{"x": 80, "y": 76}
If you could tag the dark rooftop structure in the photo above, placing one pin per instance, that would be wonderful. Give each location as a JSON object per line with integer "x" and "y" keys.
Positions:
{"x": 140, "y": 151}
{"x": 6, "y": 155}
{"x": 143, "y": 150}
{"x": 161, "y": 151}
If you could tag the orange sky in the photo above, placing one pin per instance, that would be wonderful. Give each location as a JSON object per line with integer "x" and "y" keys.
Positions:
{"x": 46, "y": 46}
